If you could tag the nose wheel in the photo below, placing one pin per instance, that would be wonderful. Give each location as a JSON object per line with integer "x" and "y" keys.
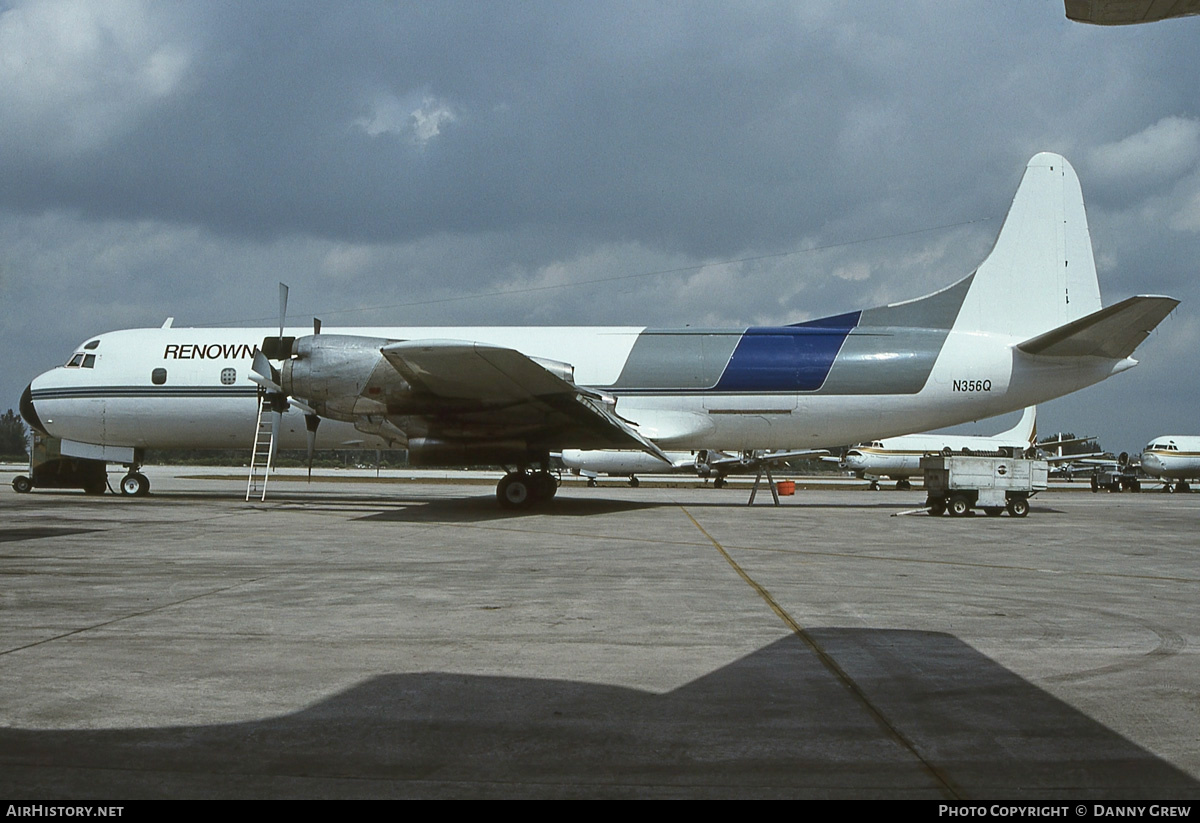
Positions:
{"x": 135, "y": 484}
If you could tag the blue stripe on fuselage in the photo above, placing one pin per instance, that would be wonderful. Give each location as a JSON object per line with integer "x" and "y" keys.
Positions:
{"x": 786, "y": 358}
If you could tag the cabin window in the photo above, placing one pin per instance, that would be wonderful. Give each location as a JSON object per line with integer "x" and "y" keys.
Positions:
{"x": 228, "y": 377}
{"x": 158, "y": 377}
{"x": 76, "y": 361}
{"x": 89, "y": 361}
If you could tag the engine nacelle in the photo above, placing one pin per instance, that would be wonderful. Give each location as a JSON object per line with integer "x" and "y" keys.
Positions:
{"x": 341, "y": 375}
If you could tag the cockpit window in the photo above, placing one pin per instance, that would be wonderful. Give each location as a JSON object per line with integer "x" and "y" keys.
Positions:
{"x": 76, "y": 361}
{"x": 91, "y": 344}
{"x": 89, "y": 361}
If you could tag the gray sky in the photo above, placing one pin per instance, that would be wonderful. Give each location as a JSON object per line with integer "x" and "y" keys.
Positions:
{"x": 638, "y": 163}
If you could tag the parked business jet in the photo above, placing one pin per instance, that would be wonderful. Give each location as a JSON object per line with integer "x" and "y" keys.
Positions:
{"x": 899, "y": 458}
{"x": 1026, "y": 326}
{"x": 1173, "y": 457}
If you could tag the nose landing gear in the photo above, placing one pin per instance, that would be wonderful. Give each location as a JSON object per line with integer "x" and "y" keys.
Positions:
{"x": 135, "y": 484}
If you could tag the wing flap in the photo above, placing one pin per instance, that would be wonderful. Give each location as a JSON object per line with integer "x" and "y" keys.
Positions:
{"x": 1112, "y": 333}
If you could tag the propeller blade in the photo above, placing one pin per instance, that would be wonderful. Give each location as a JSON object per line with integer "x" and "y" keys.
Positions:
{"x": 302, "y": 406}
{"x": 283, "y": 294}
{"x": 277, "y": 422}
{"x": 262, "y": 373}
{"x": 311, "y": 421}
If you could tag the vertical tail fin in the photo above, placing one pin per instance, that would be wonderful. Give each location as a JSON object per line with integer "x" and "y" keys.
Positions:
{"x": 1041, "y": 273}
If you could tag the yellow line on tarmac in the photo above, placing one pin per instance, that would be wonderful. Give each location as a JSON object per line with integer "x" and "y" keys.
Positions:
{"x": 942, "y": 779}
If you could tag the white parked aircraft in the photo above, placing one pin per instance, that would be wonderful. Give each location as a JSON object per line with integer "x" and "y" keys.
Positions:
{"x": 900, "y": 457}
{"x": 1173, "y": 457}
{"x": 1025, "y": 327}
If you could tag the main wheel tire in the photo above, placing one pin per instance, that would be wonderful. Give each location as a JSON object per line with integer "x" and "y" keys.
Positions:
{"x": 719, "y": 483}
{"x": 993, "y": 511}
{"x": 633, "y": 481}
{"x": 515, "y": 491}
{"x": 1018, "y": 507}
{"x": 22, "y": 484}
{"x": 936, "y": 507}
{"x": 591, "y": 482}
{"x": 959, "y": 506}
{"x": 95, "y": 487}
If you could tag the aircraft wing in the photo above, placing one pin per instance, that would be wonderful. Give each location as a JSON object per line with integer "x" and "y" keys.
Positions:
{"x": 484, "y": 390}
{"x": 1073, "y": 458}
{"x": 721, "y": 460}
{"x": 1128, "y": 12}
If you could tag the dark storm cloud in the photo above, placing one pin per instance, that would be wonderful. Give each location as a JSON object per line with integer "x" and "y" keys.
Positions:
{"x": 706, "y": 126}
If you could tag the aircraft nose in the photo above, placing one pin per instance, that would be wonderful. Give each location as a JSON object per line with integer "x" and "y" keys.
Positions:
{"x": 29, "y": 412}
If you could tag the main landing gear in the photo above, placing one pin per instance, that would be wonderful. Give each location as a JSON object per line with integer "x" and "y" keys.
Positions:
{"x": 522, "y": 489}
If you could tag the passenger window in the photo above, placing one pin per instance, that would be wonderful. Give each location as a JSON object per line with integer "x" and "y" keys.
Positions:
{"x": 158, "y": 377}
{"x": 89, "y": 361}
{"x": 228, "y": 377}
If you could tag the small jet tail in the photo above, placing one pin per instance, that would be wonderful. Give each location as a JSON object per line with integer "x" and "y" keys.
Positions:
{"x": 1025, "y": 430}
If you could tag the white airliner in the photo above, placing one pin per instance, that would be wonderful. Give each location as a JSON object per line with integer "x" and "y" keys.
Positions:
{"x": 1026, "y": 326}
{"x": 900, "y": 457}
{"x": 1173, "y": 457}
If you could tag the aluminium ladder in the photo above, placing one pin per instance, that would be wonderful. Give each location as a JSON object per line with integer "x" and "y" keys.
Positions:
{"x": 263, "y": 453}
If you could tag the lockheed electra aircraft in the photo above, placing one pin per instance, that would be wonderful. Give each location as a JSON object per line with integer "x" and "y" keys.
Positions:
{"x": 1026, "y": 326}
{"x": 900, "y": 457}
{"x": 1173, "y": 457}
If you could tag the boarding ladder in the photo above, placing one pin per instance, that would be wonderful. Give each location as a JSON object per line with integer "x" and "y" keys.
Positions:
{"x": 263, "y": 454}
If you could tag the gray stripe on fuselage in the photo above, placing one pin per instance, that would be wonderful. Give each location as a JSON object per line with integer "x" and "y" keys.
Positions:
{"x": 893, "y": 348}
{"x": 678, "y": 358}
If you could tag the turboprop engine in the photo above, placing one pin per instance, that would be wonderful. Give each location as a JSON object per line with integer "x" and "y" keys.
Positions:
{"x": 342, "y": 376}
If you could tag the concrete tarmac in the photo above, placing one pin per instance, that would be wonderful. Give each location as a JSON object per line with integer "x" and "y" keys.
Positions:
{"x": 411, "y": 639}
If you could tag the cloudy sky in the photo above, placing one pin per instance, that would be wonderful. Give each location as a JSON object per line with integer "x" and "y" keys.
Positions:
{"x": 655, "y": 163}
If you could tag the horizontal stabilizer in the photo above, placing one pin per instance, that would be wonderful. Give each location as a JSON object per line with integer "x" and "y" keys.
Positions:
{"x": 1112, "y": 333}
